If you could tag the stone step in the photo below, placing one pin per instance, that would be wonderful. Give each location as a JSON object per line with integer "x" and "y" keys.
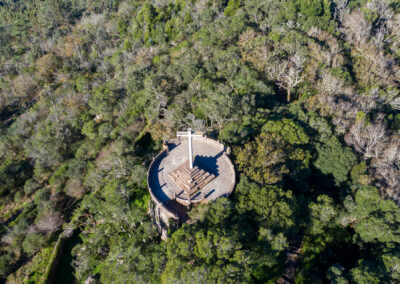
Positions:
{"x": 206, "y": 180}
{"x": 189, "y": 172}
{"x": 201, "y": 178}
{"x": 190, "y": 180}
{"x": 198, "y": 174}
{"x": 204, "y": 176}
{"x": 201, "y": 184}
{"x": 185, "y": 174}
{"x": 183, "y": 185}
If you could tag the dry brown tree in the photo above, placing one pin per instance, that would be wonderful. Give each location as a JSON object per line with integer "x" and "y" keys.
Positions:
{"x": 49, "y": 221}
{"x": 287, "y": 72}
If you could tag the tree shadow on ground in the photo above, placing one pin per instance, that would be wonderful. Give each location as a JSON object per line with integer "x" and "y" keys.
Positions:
{"x": 64, "y": 273}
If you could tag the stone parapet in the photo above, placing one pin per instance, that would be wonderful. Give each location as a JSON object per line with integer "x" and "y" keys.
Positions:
{"x": 170, "y": 199}
{"x": 162, "y": 206}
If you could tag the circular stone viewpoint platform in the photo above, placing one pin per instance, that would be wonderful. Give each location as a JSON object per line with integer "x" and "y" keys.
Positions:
{"x": 191, "y": 169}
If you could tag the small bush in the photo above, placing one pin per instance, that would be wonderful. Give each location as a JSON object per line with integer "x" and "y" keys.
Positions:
{"x": 31, "y": 186}
{"x": 33, "y": 243}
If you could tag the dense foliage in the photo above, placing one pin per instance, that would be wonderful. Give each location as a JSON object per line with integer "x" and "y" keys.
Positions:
{"x": 306, "y": 92}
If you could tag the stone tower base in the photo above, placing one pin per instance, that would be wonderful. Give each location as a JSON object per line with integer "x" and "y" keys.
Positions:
{"x": 161, "y": 220}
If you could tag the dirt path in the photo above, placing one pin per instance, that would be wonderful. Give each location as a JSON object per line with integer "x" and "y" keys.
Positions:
{"x": 291, "y": 264}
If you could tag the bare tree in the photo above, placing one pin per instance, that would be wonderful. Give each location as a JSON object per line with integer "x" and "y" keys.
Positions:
{"x": 395, "y": 103}
{"x": 74, "y": 188}
{"x": 394, "y": 27}
{"x": 288, "y": 73}
{"x": 388, "y": 164}
{"x": 8, "y": 237}
{"x": 382, "y": 9}
{"x": 333, "y": 56}
{"x": 330, "y": 84}
{"x": 367, "y": 138}
{"x": 356, "y": 28}
{"x": 195, "y": 123}
{"x": 391, "y": 174}
{"x": 50, "y": 221}
{"x": 24, "y": 86}
{"x": 379, "y": 38}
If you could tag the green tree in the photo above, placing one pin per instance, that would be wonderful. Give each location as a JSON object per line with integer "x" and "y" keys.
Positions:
{"x": 374, "y": 218}
{"x": 220, "y": 247}
{"x": 365, "y": 272}
{"x": 267, "y": 159}
{"x": 335, "y": 274}
{"x": 335, "y": 159}
{"x": 291, "y": 131}
{"x": 274, "y": 208}
{"x": 391, "y": 264}
{"x": 323, "y": 215}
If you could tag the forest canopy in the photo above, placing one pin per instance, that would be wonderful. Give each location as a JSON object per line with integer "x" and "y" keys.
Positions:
{"x": 305, "y": 92}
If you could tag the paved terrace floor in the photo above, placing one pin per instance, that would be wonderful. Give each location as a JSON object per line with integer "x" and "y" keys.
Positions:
{"x": 208, "y": 155}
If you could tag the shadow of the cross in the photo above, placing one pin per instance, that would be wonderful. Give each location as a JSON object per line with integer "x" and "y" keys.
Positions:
{"x": 208, "y": 163}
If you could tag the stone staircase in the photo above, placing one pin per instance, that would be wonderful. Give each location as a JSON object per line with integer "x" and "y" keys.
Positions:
{"x": 190, "y": 180}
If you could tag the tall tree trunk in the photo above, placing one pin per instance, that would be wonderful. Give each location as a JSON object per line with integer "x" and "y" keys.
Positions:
{"x": 288, "y": 96}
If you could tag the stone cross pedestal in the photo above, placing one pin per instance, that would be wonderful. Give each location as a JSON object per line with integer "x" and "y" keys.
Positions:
{"x": 190, "y": 179}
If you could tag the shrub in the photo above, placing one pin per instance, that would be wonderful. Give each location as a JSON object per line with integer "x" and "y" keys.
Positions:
{"x": 6, "y": 263}
{"x": 74, "y": 188}
{"x": 33, "y": 243}
{"x": 31, "y": 186}
{"x": 233, "y": 5}
{"x": 47, "y": 66}
{"x": 18, "y": 196}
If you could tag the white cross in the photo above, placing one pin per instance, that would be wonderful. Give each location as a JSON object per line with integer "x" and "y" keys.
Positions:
{"x": 189, "y": 135}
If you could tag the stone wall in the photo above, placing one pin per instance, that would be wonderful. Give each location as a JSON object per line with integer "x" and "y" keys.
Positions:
{"x": 51, "y": 268}
{"x": 159, "y": 218}
{"x": 162, "y": 207}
